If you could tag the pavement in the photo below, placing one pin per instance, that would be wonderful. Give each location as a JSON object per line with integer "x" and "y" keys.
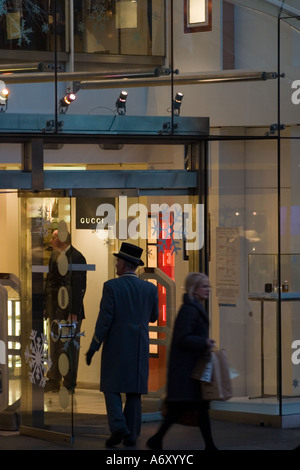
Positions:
{"x": 180, "y": 440}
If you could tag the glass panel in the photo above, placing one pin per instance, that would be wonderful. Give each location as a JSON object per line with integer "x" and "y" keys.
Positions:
{"x": 49, "y": 48}
{"x": 265, "y": 288}
{"x": 96, "y": 45}
{"x": 243, "y": 201}
{"x": 100, "y": 26}
{"x": 271, "y": 7}
{"x": 43, "y": 312}
{"x": 289, "y": 223}
{"x": 290, "y": 270}
{"x": 27, "y": 25}
{"x": 120, "y": 27}
{"x": 244, "y": 173}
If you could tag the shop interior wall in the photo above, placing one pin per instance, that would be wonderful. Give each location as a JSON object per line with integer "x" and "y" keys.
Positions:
{"x": 9, "y": 233}
{"x": 100, "y": 253}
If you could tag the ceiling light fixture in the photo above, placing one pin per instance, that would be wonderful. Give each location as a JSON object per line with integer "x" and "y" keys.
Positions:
{"x": 4, "y": 94}
{"x": 121, "y": 102}
{"x": 65, "y": 102}
{"x": 177, "y": 103}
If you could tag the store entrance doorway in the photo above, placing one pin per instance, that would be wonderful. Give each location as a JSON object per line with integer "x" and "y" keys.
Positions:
{"x": 97, "y": 226}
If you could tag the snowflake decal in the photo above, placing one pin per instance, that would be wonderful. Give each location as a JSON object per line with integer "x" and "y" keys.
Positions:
{"x": 74, "y": 340}
{"x": 35, "y": 16}
{"x": 24, "y": 33}
{"x": 166, "y": 229}
{"x": 3, "y": 7}
{"x": 295, "y": 383}
{"x": 98, "y": 14}
{"x": 81, "y": 27}
{"x": 45, "y": 28}
{"x": 43, "y": 221}
{"x": 37, "y": 357}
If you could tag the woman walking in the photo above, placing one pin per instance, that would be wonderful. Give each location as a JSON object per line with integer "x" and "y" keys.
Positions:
{"x": 189, "y": 342}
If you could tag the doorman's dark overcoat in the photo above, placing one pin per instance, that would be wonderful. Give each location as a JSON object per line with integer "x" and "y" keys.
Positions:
{"x": 127, "y": 306}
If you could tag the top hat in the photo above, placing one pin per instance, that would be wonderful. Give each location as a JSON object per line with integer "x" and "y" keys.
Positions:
{"x": 130, "y": 253}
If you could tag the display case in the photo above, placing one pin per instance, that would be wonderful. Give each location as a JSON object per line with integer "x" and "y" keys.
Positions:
{"x": 278, "y": 313}
{"x": 263, "y": 275}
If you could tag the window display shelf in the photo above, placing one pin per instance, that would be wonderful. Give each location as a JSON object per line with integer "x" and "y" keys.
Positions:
{"x": 263, "y": 275}
{"x": 269, "y": 296}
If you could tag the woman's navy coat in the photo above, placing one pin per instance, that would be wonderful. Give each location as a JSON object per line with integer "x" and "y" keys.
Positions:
{"x": 127, "y": 306}
{"x": 188, "y": 344}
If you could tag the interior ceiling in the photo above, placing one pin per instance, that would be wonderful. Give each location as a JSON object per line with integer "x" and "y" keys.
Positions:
{"x": 287, "y": 10}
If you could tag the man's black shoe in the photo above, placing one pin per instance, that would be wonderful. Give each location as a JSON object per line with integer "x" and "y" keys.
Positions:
{"x": 116, "y": 438}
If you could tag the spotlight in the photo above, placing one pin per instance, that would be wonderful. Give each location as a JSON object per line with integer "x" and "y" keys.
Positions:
{"x": 65, "y": 102}
{"x": 177, "y": 103}
{"x": 121, "y": 102}
{"x": 4, "y": 93}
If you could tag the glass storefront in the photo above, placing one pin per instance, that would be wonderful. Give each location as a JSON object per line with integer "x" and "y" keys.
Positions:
{"x": 253, "y": 204}
{"x": 234, "y": 174}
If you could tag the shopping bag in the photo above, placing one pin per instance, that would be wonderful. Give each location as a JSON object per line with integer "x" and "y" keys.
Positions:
{"x": 219, "y": 388}
{"x": 203, "y": 369}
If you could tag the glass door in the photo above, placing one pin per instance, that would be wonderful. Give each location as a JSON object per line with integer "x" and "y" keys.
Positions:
{"x": 159, "y": 225}
{"x": 67, "y": 248}
{"x": 49, "y": 334}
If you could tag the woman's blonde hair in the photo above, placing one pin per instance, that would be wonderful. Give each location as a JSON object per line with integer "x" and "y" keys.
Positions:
{"x": 193, "y": 281}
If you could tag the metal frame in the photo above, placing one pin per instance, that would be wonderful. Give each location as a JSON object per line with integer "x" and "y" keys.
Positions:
{"x": 34, "y": 180}
{"x": 40, "y": 130}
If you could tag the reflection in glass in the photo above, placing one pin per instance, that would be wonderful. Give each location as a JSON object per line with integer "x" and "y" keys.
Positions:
{"x": 32, "y": 25}
{"x": 120, "y": 27}
{"x": 100, "y": 26}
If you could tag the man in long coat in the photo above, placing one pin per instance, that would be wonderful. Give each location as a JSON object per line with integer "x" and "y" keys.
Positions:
{"x": 127, "y": 306}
